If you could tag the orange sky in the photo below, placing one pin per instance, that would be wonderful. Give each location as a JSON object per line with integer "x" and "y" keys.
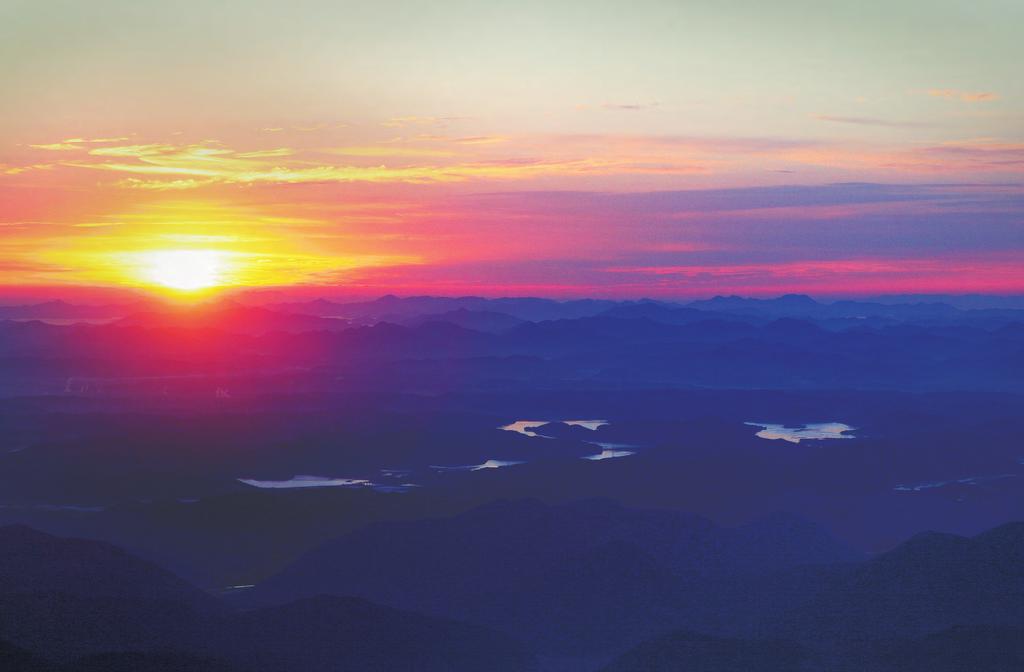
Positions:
{"x": 567, "y": 150}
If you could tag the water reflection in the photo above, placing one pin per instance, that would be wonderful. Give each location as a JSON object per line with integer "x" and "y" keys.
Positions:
{"x": 970, "y": 480}
{"x": 526, "y": 427}
{"x": 306, "y": 481}
{"x": 608, "y": 453}
{"x": 796, "y": 434}
{"x": 489, "y": 464}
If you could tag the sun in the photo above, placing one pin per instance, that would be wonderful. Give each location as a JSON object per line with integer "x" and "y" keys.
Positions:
{"x": 184, "y": 270}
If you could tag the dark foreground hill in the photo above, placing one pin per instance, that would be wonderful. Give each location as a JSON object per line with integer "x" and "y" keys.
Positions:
{"x": 929, "y": 583}
{"x": 962, "y": 649}
{"x": 593, "y": 576}
{"x": 590, "y": 581}
{"x": 81, "y": 602}
{"x": 590, "y": 575}
{"x": 700, "y": 653}
{"x": 938, "y": 602}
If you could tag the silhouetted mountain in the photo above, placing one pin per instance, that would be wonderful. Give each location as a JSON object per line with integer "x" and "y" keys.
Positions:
{"x": 34, "y": 562}
{"x": 599, "y": 574}
{"x": 406, "y": 308}
{"x": 960, "y": 649}
{"x": 317, "y": 307}
{"x": 660, "y": 312}
{"x": 149, "y": 661}
{"x": 597, "y": 600}
{"x": 580, "y": 335}
{"x": 62, "y": 310}
{"x": 66, "y": 598}
{"x": 791, "y": 329}
{"x": 782, "y": 540}
{"x": 987, "y": 311}
{"x": 478, "y": 320}
{"x": 977, "y": 649}
{"x": 16, "y": 659}
{"x": 789, "y": 305}
{"x": 331, "y": 633}
{"x": 700, "y": 653}
{"x": 230, "y": 317}
{"x": 846, "y": 314}
{"x": 929, "y": 583}
{"x": 962, "y": 301}
{"x": 181, "y": 433}
{"x": 87, "y": 602}
{"x": 792, "y": 352}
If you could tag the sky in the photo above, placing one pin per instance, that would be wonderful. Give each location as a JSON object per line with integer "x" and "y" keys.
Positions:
{"x": 618, "y": 149}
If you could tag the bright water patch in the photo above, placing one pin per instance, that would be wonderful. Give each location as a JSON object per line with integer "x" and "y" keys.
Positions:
{"x": 391, "y": 489}
{"x": 609, "y": 453}
{"x": 970, "y": 480}
{"x": 586, "y": 424}
{"x": 305, "y": 481}
{"x": 526, "y": 427}
{"x": 812, "y": 431}
{"x": 227, "y": 590}
{"x": 489, "y": 464}
{"x": 496, "y": 464}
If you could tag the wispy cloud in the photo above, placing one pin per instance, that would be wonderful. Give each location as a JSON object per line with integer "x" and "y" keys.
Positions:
{"x": 480, "y": 140}
{"x": 561, "y": 160}
{"x": 869, "y": 121}
{"x": 629, "y": 107}
{"x": 72, "y": 144}
{"x": 204, "y": 165}
{"x": 964, "y": 156}
{"x": 171, "y": 166}
{"x": 587, "y": 277}
{"x": 413, "y": 120}
{"x": 388, "y": 150}
{"x": 57, "y": 147}
{"x": 162, "y": 185}
{"x": 265, "y": 153}
{"x": 997, "y": 271}
{"x": 964, "y": 96}
{"x": 18, "y": 170}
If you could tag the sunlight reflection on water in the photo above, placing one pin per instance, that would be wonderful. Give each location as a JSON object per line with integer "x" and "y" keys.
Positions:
{"x": 811, "y": 431}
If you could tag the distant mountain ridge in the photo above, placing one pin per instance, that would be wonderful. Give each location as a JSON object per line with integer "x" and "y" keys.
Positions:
{"x": 229, "y": 317}
{"x": 59, "y": 309}
{"x": 642, "y": 343}
{"x": 534, "y": 309}
{"x": 523, "y": 308}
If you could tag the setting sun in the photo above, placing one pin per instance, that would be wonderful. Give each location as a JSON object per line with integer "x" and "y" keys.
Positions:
{"x": 184, "y": 270}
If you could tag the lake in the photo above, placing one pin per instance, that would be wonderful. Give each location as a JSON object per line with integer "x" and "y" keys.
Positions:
{"x": 797, "y": 433}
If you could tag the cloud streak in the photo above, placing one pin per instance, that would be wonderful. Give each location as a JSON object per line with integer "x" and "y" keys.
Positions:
{"x": 869, "y": 121}
{"x": 629, "y": 107}
{"x": 963, "y": 96}
{"x": 613, "y": 213}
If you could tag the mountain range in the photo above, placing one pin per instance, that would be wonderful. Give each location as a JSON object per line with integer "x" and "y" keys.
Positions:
{"x": 638, "y": 589}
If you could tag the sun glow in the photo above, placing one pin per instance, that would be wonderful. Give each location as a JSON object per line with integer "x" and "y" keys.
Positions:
{"x": 184, "y": 270}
